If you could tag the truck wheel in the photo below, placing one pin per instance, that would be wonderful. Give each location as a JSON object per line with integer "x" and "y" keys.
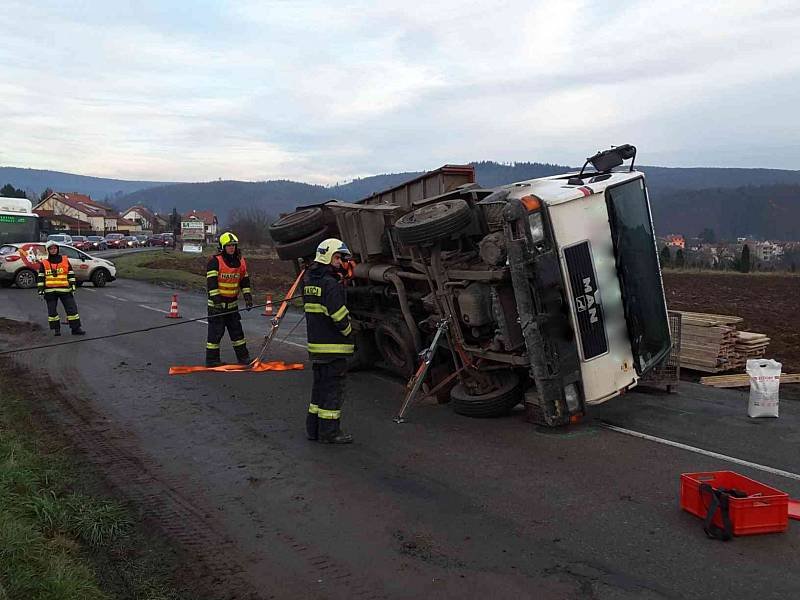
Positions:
{"x": 303, "y": 247}
{"x": 25, "y": 279}
{"x": 100, "y": 278}
{"x": 496, "y": 403}
{"x": 433, "y": 222}
{"x": 396, "y": 349}
{"x": 296, "y": 225}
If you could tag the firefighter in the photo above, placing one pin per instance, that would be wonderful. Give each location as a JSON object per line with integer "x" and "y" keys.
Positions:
{"x": 56, "y": 281}
{"x": 330, "y": 341}
{"x": 226, "y": 276}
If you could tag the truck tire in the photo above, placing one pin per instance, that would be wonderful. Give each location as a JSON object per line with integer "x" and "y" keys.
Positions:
{"x": 297, "y": 225}
{"x": 396, "y": 349}
{"x": 433, "y": 222}
{"x": 303, "y": 247}
{"x": 496, "y": 403}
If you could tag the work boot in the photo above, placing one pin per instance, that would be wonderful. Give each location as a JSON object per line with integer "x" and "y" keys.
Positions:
{"x": 56, "y": 332}
{"x": 312, "y": 427}
{"x": 244, "y": 360}
{"x": 78, "y": 331}
{"x": 339, "y": 438}
{"x": 210, "y": 362}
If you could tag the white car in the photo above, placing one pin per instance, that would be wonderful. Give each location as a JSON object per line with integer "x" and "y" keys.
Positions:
{"x": 60, "y": 238}
{"x": 19, "y": 264}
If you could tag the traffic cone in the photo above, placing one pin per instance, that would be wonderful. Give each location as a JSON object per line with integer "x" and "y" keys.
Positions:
{"x": 268, "y": 306}
{"x": 173, "y": 309}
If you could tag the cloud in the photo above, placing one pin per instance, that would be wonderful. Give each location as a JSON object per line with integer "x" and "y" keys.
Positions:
{"x": 322, "y": 92}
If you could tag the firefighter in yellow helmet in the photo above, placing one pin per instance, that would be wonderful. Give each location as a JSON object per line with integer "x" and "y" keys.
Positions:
{"x": 226, "y": 276}
{"x": 330, "y": 341}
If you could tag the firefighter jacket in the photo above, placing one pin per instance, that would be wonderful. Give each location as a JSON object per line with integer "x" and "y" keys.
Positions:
{"x": 55, "y": 276}
{"x": 327, "y": 319}
{"x": 226, "y": 276}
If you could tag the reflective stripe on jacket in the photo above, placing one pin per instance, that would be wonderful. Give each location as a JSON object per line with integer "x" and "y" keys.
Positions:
{"x": 327, "y": 318}
{"x": 56, "y": 277}
{"x": 227, "y": 280}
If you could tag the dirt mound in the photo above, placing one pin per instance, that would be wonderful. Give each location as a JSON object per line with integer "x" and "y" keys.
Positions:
{"x": 12, "y": 327}
{"x": 767, "y": 303}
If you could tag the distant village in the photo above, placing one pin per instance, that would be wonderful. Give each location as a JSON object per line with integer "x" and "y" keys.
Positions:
{"x": 78, "y": 214}
{"x": 746, "y": 253}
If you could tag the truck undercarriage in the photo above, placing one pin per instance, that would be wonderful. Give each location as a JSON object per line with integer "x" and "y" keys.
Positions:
{"x": 516, "y": 273}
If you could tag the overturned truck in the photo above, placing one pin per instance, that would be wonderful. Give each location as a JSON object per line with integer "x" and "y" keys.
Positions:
{"x": 551, "y": 287}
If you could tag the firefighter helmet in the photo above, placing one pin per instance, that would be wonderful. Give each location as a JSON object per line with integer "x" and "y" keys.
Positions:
{"x": 327, "y": 248}
{"x": 50, "y": 244}
{"x": 227, "y": 238}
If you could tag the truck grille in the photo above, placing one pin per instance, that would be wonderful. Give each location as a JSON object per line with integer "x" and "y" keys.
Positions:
{"x": 587, "y": 301}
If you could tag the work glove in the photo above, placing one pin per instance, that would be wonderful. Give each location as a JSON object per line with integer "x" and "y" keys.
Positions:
{"x": 248, "y": 301}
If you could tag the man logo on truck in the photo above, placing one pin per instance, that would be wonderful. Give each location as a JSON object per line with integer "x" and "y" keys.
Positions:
{"x": 587, "y": 301}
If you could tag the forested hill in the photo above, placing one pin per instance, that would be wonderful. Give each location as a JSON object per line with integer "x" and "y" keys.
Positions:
{"x": 733, "y": 202}
{"x": 769, "y": 212}
{"x": 35, "y": 181}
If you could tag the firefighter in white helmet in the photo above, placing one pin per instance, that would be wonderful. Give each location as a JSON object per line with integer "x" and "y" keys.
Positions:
{"x": 330, "y": 341}
{"x": 56, "y": 281}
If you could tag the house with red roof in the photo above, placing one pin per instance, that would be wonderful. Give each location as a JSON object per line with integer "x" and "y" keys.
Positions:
{"x": 209, "y": 220}
{"x": 101, "y": 217}
{"x": 141, "y": 215}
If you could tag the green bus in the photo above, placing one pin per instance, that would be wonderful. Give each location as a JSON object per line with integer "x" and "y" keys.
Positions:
{"x": 18, "y": 223}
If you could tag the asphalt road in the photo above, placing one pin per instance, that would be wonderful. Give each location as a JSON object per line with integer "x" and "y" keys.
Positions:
{"x": 440, "y": 507}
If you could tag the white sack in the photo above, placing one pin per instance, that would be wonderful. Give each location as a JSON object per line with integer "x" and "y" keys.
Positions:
{"x": 765, "y": 379}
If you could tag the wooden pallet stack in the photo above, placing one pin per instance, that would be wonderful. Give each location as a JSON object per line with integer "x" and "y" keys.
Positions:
{"x": 711, "y": 343}
{"x": 749, "y": 345}
{"x": 708, "y": 342}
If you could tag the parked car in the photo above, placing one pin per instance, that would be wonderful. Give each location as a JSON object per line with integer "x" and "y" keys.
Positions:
{"x": 96, "y": 242}
{"x": 130, "y": 241}
{"x": 80, "y": 242}
{"x": 115, "y": 240}
{"x": 19, "y": 264}
{"x": 158, "y": 239}
{"x": 60, "y": 238}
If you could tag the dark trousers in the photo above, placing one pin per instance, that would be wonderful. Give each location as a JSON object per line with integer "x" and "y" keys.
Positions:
{"x": 216, "y": 329}
{"x": 327, "y": 396}
{"x": 70, "y": 306}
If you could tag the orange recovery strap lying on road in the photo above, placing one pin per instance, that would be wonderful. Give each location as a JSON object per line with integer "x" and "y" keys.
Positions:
{"x": 257, "y": 367}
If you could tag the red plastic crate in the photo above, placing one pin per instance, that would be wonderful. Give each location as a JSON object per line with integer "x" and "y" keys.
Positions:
{"x": 767, "y": 513}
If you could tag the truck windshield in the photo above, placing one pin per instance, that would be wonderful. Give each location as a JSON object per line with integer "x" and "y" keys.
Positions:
{"x": 639, "y": 273}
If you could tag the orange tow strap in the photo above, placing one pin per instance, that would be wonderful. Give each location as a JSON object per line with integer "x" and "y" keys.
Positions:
{"x": 258, "y": 367}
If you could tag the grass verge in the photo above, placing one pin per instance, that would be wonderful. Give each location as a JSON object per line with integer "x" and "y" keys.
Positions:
{"x": 135, "y": 266}
{"x": 59, "y": 538}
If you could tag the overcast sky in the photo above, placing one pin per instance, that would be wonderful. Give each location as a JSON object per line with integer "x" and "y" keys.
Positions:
{"x": 324, "y": 91}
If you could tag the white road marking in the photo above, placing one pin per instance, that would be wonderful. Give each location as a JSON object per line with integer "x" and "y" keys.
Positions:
{"x": 732, "y": 459}
{"x": 87, "y": 289}
{"x": 117, "y": 298}
{"x": 161, "y": 310}
{"x": 166, "y": 312}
